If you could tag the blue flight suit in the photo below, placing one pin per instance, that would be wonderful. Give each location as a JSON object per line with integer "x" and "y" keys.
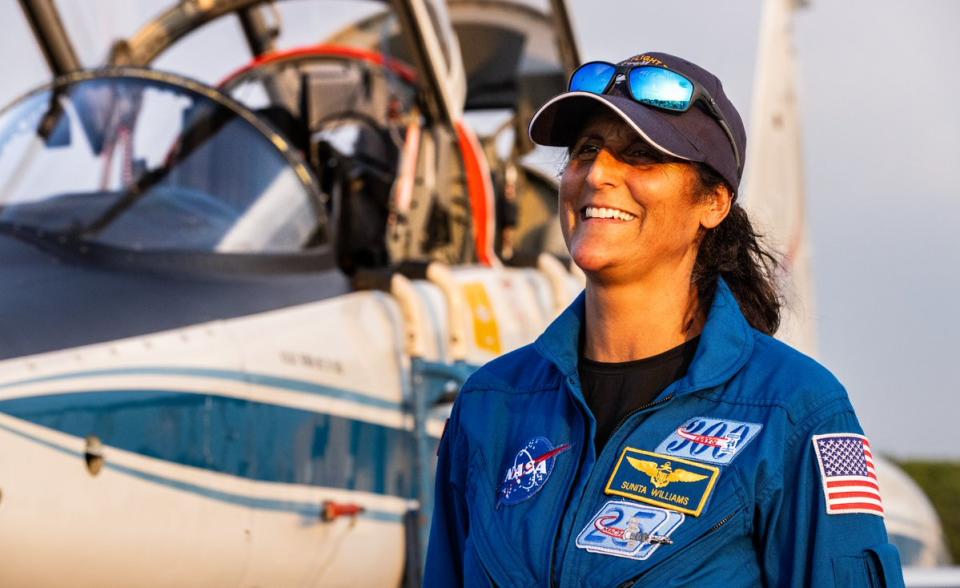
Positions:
{"x": 722, "y": 481}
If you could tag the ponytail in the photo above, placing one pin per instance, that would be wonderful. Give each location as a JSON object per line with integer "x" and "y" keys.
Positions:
{"x": 735, "y": 251}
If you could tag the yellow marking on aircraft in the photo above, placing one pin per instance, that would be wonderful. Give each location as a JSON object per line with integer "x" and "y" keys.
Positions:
{"x": 485, "y": 328}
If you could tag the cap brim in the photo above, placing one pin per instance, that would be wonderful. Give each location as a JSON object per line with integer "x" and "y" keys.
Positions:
{"x": 558, "y": 122}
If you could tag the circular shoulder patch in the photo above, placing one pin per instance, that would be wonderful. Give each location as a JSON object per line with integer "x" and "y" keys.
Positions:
{"x": 530, "y": 470}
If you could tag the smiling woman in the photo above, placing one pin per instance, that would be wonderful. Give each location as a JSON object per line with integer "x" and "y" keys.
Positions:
{"x": 626, "y": 210}
{"x": 656, "y": 431}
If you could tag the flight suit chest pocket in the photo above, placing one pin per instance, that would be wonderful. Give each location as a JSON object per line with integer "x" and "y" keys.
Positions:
{"x": 475, "y": 573}
{"x": 495, "y": 550}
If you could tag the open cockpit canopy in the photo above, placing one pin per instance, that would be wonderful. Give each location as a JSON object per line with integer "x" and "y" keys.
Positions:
{"x": 335, "y": 113}
{"x": 143, "y": 161}
{"x": 208, "y": 40}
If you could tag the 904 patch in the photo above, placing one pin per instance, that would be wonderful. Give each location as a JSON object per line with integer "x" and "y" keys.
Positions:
{"x": 709, "y": 439}
{"x": 628, "y": 529}
{"x": 671, "y": 482}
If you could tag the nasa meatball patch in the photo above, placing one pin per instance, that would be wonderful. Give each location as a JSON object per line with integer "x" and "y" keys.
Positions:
{"x": 529, "y": 470}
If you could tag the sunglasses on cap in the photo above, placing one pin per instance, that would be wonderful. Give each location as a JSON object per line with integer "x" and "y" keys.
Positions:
{"x": 653, "y": 86}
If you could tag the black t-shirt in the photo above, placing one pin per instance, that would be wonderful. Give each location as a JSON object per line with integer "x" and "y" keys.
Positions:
{"x": 614, "y": 390}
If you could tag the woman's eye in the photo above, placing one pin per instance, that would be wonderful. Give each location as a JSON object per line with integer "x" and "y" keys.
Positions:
{"x": 642, "y": 153}
{"x": 586, "y": 150}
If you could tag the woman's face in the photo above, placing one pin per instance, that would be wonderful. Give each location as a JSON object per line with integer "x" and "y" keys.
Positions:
{"x": 625, "y": 213}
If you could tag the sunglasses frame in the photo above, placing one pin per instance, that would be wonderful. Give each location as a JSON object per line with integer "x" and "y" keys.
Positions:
{"x": 700, "y": 94}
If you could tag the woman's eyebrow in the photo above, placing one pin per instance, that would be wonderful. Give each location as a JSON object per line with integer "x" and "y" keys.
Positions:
{"x": 589, "y": 137}
{"x": 643, "y": 145}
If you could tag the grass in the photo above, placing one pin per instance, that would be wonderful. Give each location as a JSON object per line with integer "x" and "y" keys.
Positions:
{"x": 941, "y": 482}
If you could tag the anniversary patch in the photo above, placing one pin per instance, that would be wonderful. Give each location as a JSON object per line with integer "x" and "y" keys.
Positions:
{"x": 627, "y": 529}
{"x": 663, "y": 480}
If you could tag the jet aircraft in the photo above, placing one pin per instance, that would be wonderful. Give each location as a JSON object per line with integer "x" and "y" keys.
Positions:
{"x": 237, "y": 312}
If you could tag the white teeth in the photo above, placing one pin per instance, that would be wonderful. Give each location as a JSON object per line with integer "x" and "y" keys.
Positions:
{"x": 597, "y": 212}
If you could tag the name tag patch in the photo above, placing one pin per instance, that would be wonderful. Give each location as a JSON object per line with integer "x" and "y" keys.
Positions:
{"x": 662, "y": 480}
{"x": 628, "y": 529}
{"x": 708, "y": 439}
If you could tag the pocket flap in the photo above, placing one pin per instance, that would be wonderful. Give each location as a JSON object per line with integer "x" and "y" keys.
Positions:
{"x": 876, "y": 566}
{"x": 887, "y": 560}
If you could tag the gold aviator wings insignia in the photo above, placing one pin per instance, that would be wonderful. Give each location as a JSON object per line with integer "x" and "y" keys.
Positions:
{"x": 681, "y": 475}
{"x": 648, "y": 467}
{"x": 663, "y": 475}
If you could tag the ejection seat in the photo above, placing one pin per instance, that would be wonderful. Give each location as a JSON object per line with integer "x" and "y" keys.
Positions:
{"x": 345, "y": 110}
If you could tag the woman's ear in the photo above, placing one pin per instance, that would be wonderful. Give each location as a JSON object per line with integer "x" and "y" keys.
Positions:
{"x": 716, "y": 206}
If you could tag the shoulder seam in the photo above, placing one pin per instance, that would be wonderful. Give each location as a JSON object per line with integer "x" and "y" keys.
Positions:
{"x": 506, "y": 390}
{"x": 709, "y": 395}
{"x": 490, "y": 386}
{"x": 802, "y": 431}
{"x": 706, "y": 395}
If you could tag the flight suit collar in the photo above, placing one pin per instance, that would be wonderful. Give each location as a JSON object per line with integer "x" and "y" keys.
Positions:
{"x": 725, "y": 344}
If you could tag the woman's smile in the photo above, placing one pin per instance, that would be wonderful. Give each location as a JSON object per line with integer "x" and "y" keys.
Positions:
{"x": 604, "y": 213}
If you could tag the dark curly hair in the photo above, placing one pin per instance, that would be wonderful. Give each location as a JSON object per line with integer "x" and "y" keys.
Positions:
{"x": 735, "y": 250}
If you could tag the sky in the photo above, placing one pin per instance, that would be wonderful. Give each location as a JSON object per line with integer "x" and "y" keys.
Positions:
{"x": 881, "y": 142}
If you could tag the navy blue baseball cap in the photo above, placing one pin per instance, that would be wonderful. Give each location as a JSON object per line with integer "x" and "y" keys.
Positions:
{"x": 694, "y": 135}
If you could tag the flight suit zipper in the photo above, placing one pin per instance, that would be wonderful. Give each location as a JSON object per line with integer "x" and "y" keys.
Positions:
{"x": 630, "y": 414}
{"x": 716, "y": 527}
{"x": 554, "y": 582}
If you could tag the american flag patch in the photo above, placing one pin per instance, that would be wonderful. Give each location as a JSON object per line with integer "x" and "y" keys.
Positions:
{"x": 849, "y": 478}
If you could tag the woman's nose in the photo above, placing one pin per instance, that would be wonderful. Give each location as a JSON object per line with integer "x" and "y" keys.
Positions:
{"x": 604, "y": 170}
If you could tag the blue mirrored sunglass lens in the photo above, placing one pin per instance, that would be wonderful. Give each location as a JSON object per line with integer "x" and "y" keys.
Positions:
{"x": 592, "y": 77}
{"x": 661, "y": 88}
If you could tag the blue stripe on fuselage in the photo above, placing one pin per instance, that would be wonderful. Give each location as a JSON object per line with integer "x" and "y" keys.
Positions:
{"x": 308, "y": 510}
{"x": 233, "y": 436}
